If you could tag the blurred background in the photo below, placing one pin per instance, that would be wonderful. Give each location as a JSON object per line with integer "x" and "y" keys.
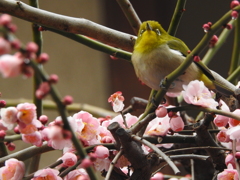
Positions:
{"x": 91, "y": 76}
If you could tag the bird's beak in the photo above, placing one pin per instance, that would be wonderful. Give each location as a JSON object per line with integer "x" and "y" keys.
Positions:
{"x": 149, "y": 28}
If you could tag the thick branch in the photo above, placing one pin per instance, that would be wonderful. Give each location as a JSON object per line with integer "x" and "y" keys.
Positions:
{"x": 68, "y": 24}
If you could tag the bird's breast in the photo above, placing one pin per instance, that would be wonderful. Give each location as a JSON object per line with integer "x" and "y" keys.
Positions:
{"x": 152, "y": 67}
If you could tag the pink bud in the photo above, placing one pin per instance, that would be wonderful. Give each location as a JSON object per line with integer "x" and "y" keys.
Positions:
{"x": 43, "y": 58}
{"x": 32, "y": 47}
{"x": 213, "y": 41}
{"x": 43, "y": 119}
{"x": 196, "y": 58}
{"x": 233, "y": 4}
{"x": 230, "y": 159}
{"x": 176, "y": 123}
{"x": 206, "y": 27}
{"x": 2, "y": 134}
{"x": 157, "y": 176}
{"x": 234, "y": 14}
{"x": 237, "y": 155}
{"x": 222, "y": 136}
{"x": 69, "y": 159}
{"x": 209, "y": 23}
{"x": 5, "y": 19}
{"x": 16, "y": 130}
{"x": 67, "y": 100}
{"x": 12, "y": 27}
{"x": 2, "y": 103}
{"x": 43, "y": 90}
{"x": 11, "y": 146}
{"x": 101, "y": 152}
{"x": 161, "y": 111}
{"x": 113, "y": 57}
{"x": 53, "y": 78}
{"x": 16, "y": 44}
{"x": 228, "y": 26}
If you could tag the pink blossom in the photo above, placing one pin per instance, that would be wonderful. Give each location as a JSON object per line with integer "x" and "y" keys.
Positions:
{"x": 69, "y": 159}
{"x": 222, "y": 136}
{"x": 235, "y": 122}
{"x": 234, "y": 132}
{"x": 5, "y": 46}
{"x": 101, "y": 164}
{"x": 10, "y": 65}
{"x": 87, "y": 125}
{"x": 50, "y": 174}
{"x": 26, "y": 112}
{"x": 220, "y": 120}
{"x": 5, "y": 19}
{"x": 86, "y": 162}
{"x": 55, "y": 137}
{"x": 29, "y": 128}
{"x": 9, "y": 117}
{"x": 176, "y": 123}
{"x": 158, "y": 126}
{"x": 130, "y": 120}
{"x": 78, "y": 174}
{"x": 161, "y": 111}
{"x": 230, "y": 159}
{"x": 13, "y": 170}
{"x": 43, "y": 90}
{"x": 101, "y": 152}
{"x": 228, "y": 174}
{"x": 2, "y": 127}
{"x": 116, "y": 100}
{"x": 33, "y": 138}
{"x": 157, "y": 176}
{"x": 197, "y": 94}
{"x": 105, "y": 135}
{"x": 32, "y": 47}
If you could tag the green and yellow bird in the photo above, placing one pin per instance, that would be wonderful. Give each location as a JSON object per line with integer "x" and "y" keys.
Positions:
{"x": 156, "y": 54}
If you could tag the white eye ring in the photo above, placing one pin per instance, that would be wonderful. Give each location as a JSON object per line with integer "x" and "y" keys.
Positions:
{"x": 142, "y": 31}
{"x": 158, "y": 32}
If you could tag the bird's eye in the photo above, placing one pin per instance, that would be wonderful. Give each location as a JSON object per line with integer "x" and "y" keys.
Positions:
{"x": 158, "y": 32}
{"x": 141, "y": 32}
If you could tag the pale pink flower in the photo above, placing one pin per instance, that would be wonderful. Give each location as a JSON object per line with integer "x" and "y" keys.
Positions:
{"x": 158, "y": 126}
{"x": 86, "y": 162}
{"x": 26, "y": 112}
{"x": 197, "y": 94}
{"x": 234, "y": 133}
{"x": 221, "y": 120}
{"x": 161, "y": 111}
{"x": 130, "y": 120}
{"x": 9, "y": 117}
{"x": 29, "y": 128}
{"x": 101, "y": 164}
{"x": 101, "y": 152}
{"x": 235, "y": 122}
{"x": 13, "y": 170}
{"x": 89, "y": 125}
{"x": 230, "y": 159}
{"x": 78, "y": 174}
{"x": 55, "y": 137}
{"x": 228, "y": 174}
{"x": 116, "y": 100}
{"x": 105, "y": 135}
{"x": 222, "y": 136}
{"x": 157, "y": 176}
{"x": 69, "y": 159}
{"x": 10, "y": 65}
{"x": 33, "y": 138}
{"x": 176, "y": 123}
{"x": 50, "y": 174}
{"x": 5, "y": 46}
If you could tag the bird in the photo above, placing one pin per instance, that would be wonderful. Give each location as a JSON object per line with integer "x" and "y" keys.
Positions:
{"x": 156, "y": 54}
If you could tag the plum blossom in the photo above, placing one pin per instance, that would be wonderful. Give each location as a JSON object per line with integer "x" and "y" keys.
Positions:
{"x": 196, "y": 93}
{"x": 228, "y": 174}
{"x": 78, "y": 174}
{"x": 234, "y": 122}
{"x": 10, "y": 65}
{"x": 222, "y": 136}
{"x": 87, "y": 126}
{"x": 130, "y": 120}
{"x": 234, "y": 133}
{"x": 13, "y": 170}
{"x": 34, "y": 138}
{"x": 116, "y": 100}
{"x": 69, "y": 159}
{"x": 5, "y": 46}
{"x": 157, "y": 176}
{"x": 158, "y": 127}
{"x": 101, "y": 152}
{"x": 221, "y": 120}
{"x": 48, "y": 173}
{"x": 176, "y": 123}
{"x": 9, "y": 117}
{"x": 26, "y": 112}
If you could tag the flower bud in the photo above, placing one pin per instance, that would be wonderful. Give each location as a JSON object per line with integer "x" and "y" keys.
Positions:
{"x": 233, "y": 4}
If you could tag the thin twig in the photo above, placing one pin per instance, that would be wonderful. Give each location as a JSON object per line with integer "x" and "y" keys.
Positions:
{"x": 158, "y": 151}
{"x": 114, "y": 161}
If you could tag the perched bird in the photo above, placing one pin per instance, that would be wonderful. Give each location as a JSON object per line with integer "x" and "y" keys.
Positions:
{"x": 156, "y": 54}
